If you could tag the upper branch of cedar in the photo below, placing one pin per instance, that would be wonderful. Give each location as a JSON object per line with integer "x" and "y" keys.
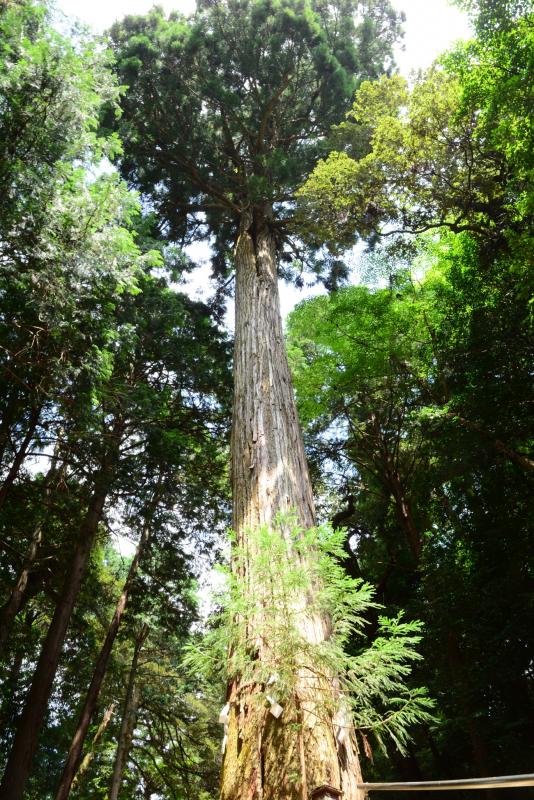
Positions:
{"x": 204, "y": 185}
{"x": 268, "y": 110}
{"x": 229, "y": 141}
{"x": 306, "y": 114}
{"x": 246, "y": 134}
{"x": 197, "y": 208}
{"x": 196, "y": 179}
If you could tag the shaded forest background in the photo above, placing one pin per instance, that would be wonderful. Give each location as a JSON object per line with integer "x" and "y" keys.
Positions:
{"x": 414, "y": 391}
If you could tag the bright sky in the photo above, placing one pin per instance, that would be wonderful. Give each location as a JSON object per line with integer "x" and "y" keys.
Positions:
{"x": 431, "y": 25}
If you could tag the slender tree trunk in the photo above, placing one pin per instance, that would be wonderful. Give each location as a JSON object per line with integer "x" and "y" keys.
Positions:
{"x": 296, "y": 756}
{"x": 30, "y": 722}
{"x": 454, "y": 655}
{"x": 459, "y": 674}
{"x": 441, "y": 767}
{"x": 84, "y": 766}
{"x": 404, "y": 511}
{"x": 75, "y": 751}
{"x": 129, "y": 716}
{"x": 17, "y": 598}
{"x": 20, "y": 455}
{"x": 8, "y": 415}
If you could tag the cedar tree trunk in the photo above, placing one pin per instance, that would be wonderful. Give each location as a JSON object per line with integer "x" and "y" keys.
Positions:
{"x": 129, "y": 716}
{"x": 91, "y": 699}
{"x": 295, "y": 756}
{"x": 30, "y": 722}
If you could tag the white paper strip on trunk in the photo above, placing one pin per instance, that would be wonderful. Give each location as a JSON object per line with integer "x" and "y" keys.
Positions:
{"x": 275, "y": 709}
{"x": 224, "y": 714}
{"x": 340, "y": 726}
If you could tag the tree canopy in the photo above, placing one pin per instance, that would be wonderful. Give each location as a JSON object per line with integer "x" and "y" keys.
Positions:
{"x": 415, "y": 391}
{"x": 452, "y": 152}
{"x": 255, "y": 86}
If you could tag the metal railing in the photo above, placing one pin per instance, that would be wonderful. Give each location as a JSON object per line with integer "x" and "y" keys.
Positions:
{"x": 503, "y": 782}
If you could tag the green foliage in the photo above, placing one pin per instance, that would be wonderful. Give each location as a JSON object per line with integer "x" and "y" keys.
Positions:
{"x": 454, "y": 151}
{"x": 415, "y": 397}
{"x": 51, "y": 92}
{"x": 257, "y": 84}
{"x": 414, "y": 400}
{"x": 492, "y": 17}
{"x": 265, "y": 611}
{"x": 91, "y": 333}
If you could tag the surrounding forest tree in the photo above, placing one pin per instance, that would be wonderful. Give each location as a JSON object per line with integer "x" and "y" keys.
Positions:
{"x": 453, "y": 153}
{"x": 110, "y": 374}
{"x": 416, "y": 398}
{"x": 370, "y": 370}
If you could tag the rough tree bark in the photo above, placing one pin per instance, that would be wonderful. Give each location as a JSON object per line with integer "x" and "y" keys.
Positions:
{"x": 29, "y": 724}
{"x": 76, "y": 746}
{"x": 295, "y": 756}
{"x": 84, "y": 766}
{"x": 129, "y": 716}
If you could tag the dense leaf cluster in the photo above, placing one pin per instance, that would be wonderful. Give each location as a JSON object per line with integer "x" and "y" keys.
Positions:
{"x": 229, "y": 110}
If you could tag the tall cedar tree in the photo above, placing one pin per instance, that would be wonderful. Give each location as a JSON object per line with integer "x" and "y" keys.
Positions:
{"x": 223, "y": 117}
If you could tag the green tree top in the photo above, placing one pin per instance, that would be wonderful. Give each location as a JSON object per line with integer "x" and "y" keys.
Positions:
{"x": 51, "y": 93}
{"x": 228, "y": 109}
{"x": 454, "y": 152}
